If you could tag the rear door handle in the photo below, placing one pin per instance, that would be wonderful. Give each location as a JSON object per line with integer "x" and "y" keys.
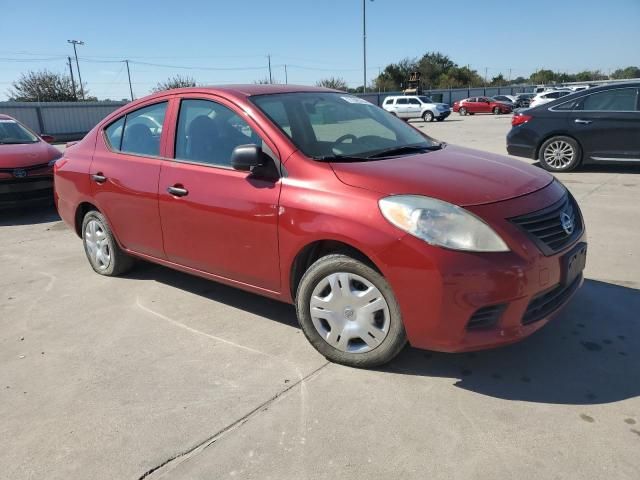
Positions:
{"x": 178, "y": 191}
{"x": 582, "y": 122}
{"x": 98, "y": 177}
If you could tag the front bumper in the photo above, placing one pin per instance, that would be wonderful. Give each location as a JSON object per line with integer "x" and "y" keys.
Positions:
{"x": 443, "y": 114}
{"x": 440, "y": 290}
{"x": 26, "y": 191}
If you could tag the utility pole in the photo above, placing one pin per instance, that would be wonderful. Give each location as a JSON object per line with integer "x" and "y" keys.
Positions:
{"x": 286, "y": 77}
{"x": 364, "y": 45}
{"x": 73, "y": 82}
{"x": 269, "y": 58}
{"x": 509, "y": 76}
{"x": 75, "y": 52}
{"x": 129, "y": 75}
{"x": 485, "y": 75}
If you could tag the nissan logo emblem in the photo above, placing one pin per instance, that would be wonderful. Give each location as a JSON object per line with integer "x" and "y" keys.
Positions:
{"x": 567, "y": 223}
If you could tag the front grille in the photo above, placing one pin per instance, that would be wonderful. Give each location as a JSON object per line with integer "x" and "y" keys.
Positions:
{"x": 545, "y": 226}
{"x": 27, "y": 189}
{"x": 485, "y": 317}
{"x": 547, "y": 302}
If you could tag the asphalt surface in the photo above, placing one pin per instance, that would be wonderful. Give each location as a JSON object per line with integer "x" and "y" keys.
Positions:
{"x": 161, "y": 375}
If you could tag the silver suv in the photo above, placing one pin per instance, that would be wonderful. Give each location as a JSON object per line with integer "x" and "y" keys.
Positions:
{"x": 416, "y": 106}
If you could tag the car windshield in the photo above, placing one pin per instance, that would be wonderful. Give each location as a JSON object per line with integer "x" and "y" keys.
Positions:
{"x": 425, "y": 99}
{"x": 11, "y": 132}
{"x": 337, "y": 126}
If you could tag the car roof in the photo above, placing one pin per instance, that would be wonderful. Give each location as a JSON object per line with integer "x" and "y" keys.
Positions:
{"x": 253, "y": 89}
{"x": 5, "y": 117}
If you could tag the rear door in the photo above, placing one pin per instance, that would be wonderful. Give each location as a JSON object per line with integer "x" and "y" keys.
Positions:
{"x": 607, "y": 125}
{"x": 483, "y": 105}
{"x": 414, "y": 108}
{"x": 214, "y": 218}
{"x": 402, "y": 107}
{"x": 124, "y": 177}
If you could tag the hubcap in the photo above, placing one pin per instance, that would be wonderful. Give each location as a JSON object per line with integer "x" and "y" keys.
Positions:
{"x": 559, "y": 154}
{"x": 97, "y": 243}
{"x": 349, "y": 312}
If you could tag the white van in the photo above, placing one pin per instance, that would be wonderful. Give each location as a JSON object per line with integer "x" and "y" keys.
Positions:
{"x": 416, "y": 106}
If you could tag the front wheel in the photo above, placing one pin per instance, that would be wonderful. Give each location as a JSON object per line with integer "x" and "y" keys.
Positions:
{"x": 560, "y": 154}
{"x": 349, "y": 313}
{"x": 427, "y": 116}
{"x": 101, "y": 248}
{"x": 462, "y": 111}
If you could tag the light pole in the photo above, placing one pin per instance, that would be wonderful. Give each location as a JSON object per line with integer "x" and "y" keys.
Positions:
{"x": 364, "y": 44}
{"x": 74, "y": 43}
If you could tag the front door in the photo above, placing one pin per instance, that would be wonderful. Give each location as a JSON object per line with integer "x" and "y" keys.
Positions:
{"x": 607, "y": 125}
{"x": 214, "y": 218}
{"x": 124, "y": 177}
{"x": 402, "y": 107}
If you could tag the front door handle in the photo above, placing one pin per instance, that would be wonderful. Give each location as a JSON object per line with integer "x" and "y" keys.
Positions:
{"x": 582, "y": 122}
{"x": 178, "y": 191}
{"x": 98, "y": 177}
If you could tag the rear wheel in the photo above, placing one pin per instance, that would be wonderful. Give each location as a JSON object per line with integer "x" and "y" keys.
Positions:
{"x": 427, "y": 116}
{"x": 560, "y": 154}
{"x": 462, "y": 111}
{"x": 101, "y": 248}
{"x": 496, "y": 110}
{"x": 349, "y": 313}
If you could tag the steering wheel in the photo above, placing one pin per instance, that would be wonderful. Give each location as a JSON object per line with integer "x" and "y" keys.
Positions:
{"x": 346, "y": 137}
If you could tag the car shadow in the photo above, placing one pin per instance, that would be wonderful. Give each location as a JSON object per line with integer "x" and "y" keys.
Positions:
{"x": 230, "y": 296}
{"x": 588, "y": 355}
{"x": 28, "y": 215}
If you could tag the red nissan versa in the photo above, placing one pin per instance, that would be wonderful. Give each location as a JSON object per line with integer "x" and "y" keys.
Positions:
{"x": 26, "y": 165}
{"x": 377, "y": 233}
{"x": 475, "y": 105}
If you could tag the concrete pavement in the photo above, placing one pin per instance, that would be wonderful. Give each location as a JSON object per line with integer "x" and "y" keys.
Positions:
{"x": 163, "y": 375}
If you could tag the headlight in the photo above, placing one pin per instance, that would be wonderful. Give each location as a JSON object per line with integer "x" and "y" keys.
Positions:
{"x": 441, "y": 223}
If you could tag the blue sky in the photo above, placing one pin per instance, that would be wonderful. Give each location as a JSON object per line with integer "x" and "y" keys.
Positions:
{"x": 314, "y": 38}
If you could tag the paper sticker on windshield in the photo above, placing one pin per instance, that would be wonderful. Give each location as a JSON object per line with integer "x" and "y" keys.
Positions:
{"x": 355, "y": 100}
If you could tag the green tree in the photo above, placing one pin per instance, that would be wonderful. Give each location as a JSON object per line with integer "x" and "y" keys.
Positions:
{"x": 543, "y": 76}
{"x": 337, "y": 83}
{"x": 43, "y": 86}
{"x": 498, "y": 81}
{"x": 177, "y": 81}
{"x": 589, "y": 75}
{"x": 629, "y": 72}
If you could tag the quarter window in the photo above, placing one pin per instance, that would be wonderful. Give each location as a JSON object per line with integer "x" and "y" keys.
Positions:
{"x": 142, "y": 131}
{"x": 620, "y": 100}
{"x": 208, "y": 132}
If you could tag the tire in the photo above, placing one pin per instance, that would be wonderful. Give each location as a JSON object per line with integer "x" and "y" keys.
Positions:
{"x": 462, "y": 111}
{"x": 428, "y": 116}
{"x": 560, "y": 154}
{"x": 375, "y": 335}
{"x": 496, "y": 111}
{"x": 472, "y": 113}
{"x": 101, "y": 248}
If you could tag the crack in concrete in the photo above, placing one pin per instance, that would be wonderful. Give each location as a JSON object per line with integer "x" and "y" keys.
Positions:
{"x": 196, "y": 449}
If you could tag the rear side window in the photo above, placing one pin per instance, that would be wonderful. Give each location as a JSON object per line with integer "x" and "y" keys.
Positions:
{"x": 619, "y": 100}
{"x": 114, "y": 134}
{"x": 402, "y": 101}
{"x": 142, "y": 130}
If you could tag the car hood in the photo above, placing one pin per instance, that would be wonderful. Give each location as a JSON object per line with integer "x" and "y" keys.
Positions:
{"x": 456, "y": 175}
{"x": 26, "y": 154}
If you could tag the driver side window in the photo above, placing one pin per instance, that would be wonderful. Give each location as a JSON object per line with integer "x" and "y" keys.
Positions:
{"x": 208, "y": 132}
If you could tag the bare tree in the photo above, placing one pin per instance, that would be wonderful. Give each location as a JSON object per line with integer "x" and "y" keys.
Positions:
{"x": 337, "y": 83}
{"x": 43, "y": 86}
{"x": 177, "y": 81}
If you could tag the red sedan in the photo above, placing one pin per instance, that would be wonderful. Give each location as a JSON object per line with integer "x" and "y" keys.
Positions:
{"x": 475, "y": 105}
{"x": 26, "y": 165}
{"x": 377, "y": 233}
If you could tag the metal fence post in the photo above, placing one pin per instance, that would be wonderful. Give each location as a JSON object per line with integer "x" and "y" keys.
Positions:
{"x": 40, "y": 120}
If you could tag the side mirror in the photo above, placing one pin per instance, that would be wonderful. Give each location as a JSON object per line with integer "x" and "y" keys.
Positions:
{"x": 246, "y": 157}
{"x": 48, "y": 138}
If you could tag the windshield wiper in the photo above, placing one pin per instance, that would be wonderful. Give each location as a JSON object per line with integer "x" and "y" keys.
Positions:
{"x": 341, "y": 158}
{"x": 405, "y": 149}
